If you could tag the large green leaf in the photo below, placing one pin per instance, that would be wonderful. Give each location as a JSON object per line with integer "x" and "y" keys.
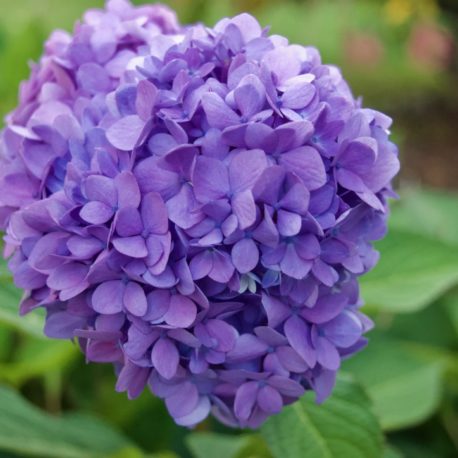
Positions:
{"x": 37, "y": 357}
{"x": 404, "y": 383}
{"x": 204, "y": 445}
{"x": 391, "y": 452}
{"x": 343, "y": 427}
{"x": 27, "y": 431}
{"x": 450, "y": 303}
{"x": 433, "y": 213}
{"x": 413, "y": 271}
{"x": 411, "y": 326}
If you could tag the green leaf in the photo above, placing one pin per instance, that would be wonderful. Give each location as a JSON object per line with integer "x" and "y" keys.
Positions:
{"x": 412, "y": 272}
{"x": 27, "y": 431}
{"x": 428, "y": 212}
{"x": 36, "y": 358}
{"x": 391, "y": 452}
{"x": 10, "y": 296}
{"x": 404, "y": 385}
{"x": 203, "y": 445}
{"x": 134, "y": 452}
{"x": 411, "y": 326}
{"x": 343, "y": 427}
{"x": 450, "y": 303}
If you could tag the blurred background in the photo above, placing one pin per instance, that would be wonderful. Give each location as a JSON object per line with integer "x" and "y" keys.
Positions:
{"x": 401, "y": 56}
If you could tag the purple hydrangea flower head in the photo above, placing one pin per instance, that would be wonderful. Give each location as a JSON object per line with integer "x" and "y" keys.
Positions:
{"x": 195, "y": 205}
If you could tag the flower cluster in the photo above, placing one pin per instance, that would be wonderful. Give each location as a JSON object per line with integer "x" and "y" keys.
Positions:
{"x": 194, "y": 205}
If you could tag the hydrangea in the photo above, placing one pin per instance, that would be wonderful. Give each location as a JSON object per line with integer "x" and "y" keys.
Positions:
{"x": 195, "y": 205}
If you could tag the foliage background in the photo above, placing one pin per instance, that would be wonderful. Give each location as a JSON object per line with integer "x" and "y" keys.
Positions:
{"x": 399, "y": 397}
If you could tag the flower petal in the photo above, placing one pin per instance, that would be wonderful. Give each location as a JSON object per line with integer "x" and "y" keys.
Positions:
{"x": 108, "y": 297}
{"x": 135, "y": 299}
{"x": 211, "y": 180}
{"x": 135, "y": 246}
{"x": 245, "y": 255}
{"x": 244, "y": 208}
{"x": 182, "y": 312}
{"x": 218, "y": 113}
{"x": 297, "y": 333}
{"x": 307, "y": 164}
{"x": 245, "y": 169}
{"x": 125, "y": 133}
{"x": 245, "y": 400}
{"x": 269, "y": 400}
{"x": 165, "y": 358}
{"x": 96, "y": 213}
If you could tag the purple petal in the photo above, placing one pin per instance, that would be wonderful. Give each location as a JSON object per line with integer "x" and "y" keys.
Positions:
{"x": 219, "y": 115}
{"x": 225, "y": 334}
{"x": 158, "y": 304}
{"x": 134, "y": 299}
{"x": 197, "y": 415}
{"x": 293, "y": 265}
{"x": 128, "y": 222}
{"x": 182, "y": 312}
{"x": 289, "y": 224}
{"x": 62, "y": 325}
{"x": 307, "y": 247}
{"x": 146, "y": 98}
{"x": 276, "y": 311}
{"x": 222, "y": 269}
{"x": 291, "y": 360}
{"x": 135, "y": 246}
{"x": 183, "y": 208}
{"x": 93, "y": 78}
{"x": 184, "y": 401}
{"x": 244, "y": 208}
{"x": 108, "y": 297}
{"x": 250, "y": 96}
{"x": 296, "y": 199}
{"x": 297, "y": 333}
{"x": 201, "y": 265}
{"x": 298, "y": 96}
{"x": 128, "y": 190}
{"x": 96, "y": 213}
{"x": 283, "y": 62}
{"x": 269, "y": 400}
{"x": 245, "y": 255}
{"x": 323, "y": 385}
{"x": 101, "y": 189}
{"x": 245, "y": 399}
{"x": 165, "y": 358}
{"x": 268, "y": 185}
{"x": 245, "y": 169}
{"x": 325, "y": 273}
{"x": 67, "y": 276}
{"x": 306, "y": 163}
{"x": 270, "y": 336}
{"x": 151, "y": 177}
{"x": 132, "y": 379}
{"x": 286, "y": 386}
{"x": 266, "y": 233}
{"x": 326, "y": 308}
{"x": 211, "y": 180}
{"x": 359, "y": 155}
{"x": 344, "y": 330}
{"x": 327, "y": 354}
{"x": 247, "y": 347}
{"x": 154, "y": 214}
{"x": 125, "y": 133}
{"x": 84, "y": 247}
